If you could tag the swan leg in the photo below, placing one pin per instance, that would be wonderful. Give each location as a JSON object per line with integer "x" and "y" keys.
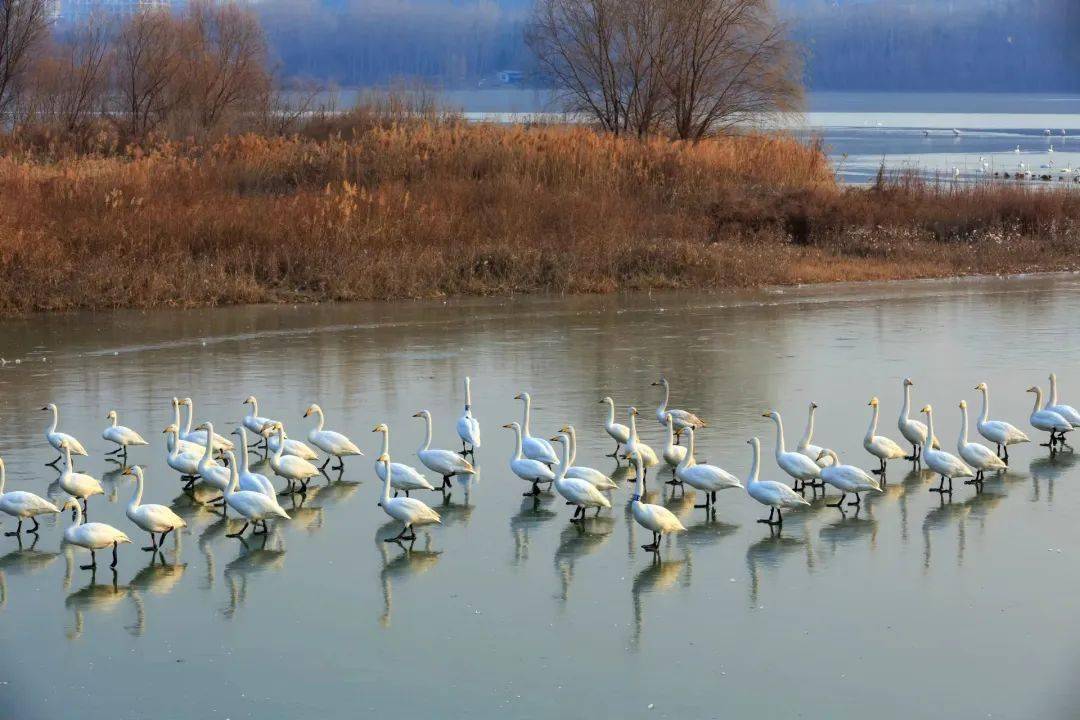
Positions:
{"x": 598, "y": 508}
{"x": 839, "y": 503}
{"x": 616, "y": 453}
{"x": 577, "y": 511}
{"x": 93, "y": 562}
{"x": 54, "y": 462}
{"x": 446, "y": 481}
{"x": 161, "y": 540}
{"x": 238, "y": 534}
{"x": 534, "y": 492}
{"x": 113, "y": 563}
{"x": 857, "y": 502}
{"x": 654, "y": 546}
{"x": 772, "y": 512}
{"x": 153, "y": 544}
{"x": 16, "y": 531}
{"x": 323, "y": 466}
{"x": 36, "y": 526}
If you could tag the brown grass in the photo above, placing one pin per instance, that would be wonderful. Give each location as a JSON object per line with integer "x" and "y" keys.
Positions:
{"x": 445, "y": 208}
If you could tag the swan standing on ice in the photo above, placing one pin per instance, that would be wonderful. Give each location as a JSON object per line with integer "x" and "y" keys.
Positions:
{"x": 251, "y": 480}
{"x": 78, "y": 485}
{"x": 807, "y": 448}
{"x": 253, "y": 505}
{"x": 444, "y": 462}
{"x": 22, "y": 505}
{"x": 1066, "y": 411}
{"x": 253, "y": 421}
{"x": 591, "y": 475}
{"x": 150, "y": 518}
{"x": 529, "y": 470}
{"x": 618, "y": 432}
{"x": 93, "y": 536}
{"x": 944, "y": 464}
{"x": 709, "y": 479}
{"x": 409, "y": 511}
{"x": 654, "y": 518}
{"x": 795, "y": 464}
{"x": 534, "y": 448}
{"x": 221, "y": 443}
{"x": 683, "y": 419}
{"x": 673, "y": 454}
{"x": 183, "y": 457}
{"x": 212, "y": 474}
{"x": 184, "y": 445}
{"x": 288, "y": 445}
{"x": 998, "y": 432}
{"x": 121, "y": 435}
{"x": 290, "y": 467}
{"x": 405, "y": 477}
{"x": 59, "y": 439}
{"x": 634, "y": 444}
{"x": 912, "y": 430}
{"x": 581, "y": 493}
{"x": 468, "y": 427}
{"x": 1048, "y": 421}
{"x": 880, "y": 446}
{"x": 977, "y": 456}
{"x": 775, "y": 495}
{"x": 847, "y": 479}
{"x": 334, "y": 444}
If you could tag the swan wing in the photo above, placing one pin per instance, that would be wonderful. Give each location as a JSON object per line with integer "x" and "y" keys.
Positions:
{"x": 581, "y": 492}
{"x": 619, "y": 433}
{"x": 446, "y": 462}
{"x": 468, "y": 429}
{"x": 532, "y": 470}
{"x": 538, "y": 449}
{"x": 591, "y": 475}
{"x": 333, "y": 442}
{"x": 21, "y": 502}
{"x": 658, "y": 518}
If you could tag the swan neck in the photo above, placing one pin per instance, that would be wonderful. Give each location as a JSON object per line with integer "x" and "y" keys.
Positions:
{"x": 244, "y": 449}
{"x": 427, "y": 433}
{"x": 667, "y": 398}
{"x": 386, "y": 482}
{"x": 573, "y": 447}
{"x": 254, "y": 406}
{"x": 930, "y": 429}
{"x": 872, "y": 430}
{"x": 633, "y": 428}
{"x": 779, "y": 435}
{"x": 525, "y": 420}
{"x": 55, "y": 419}
{"x": 754, "y": 463}
{"x": 565, "y": 459}
{"x": 639, "y": 485}
{"x": 234, "y": 479}
{"x": 1038, "y": 399}
{"x": 688, "y": 459}
{"x": 517, "y": 443}
{"x": 3, "y": 477}
{"x": 209, "y": 445}
{"x": 385, "y": 442}
{"x": 985, "y": 406}
{"x": 905, "y": 408}
{"x": 809, "y": 434}
{"x": 611, "y": 412}
{"x": 1052, "y": 398}
{"x": 963, "y": 427}
{"x": 468, "y": 394}
{"x": 136, "y": 497}
{"x": 281, "y": 443}
{"x": 321, "y": 421}
{"x": 78, "y": 513}
{"x": 114, "y": 419}
{"x": 190, "y": 414}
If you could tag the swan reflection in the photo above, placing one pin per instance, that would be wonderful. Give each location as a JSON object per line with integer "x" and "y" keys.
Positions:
{"x": 976, "y": 508}
{"x": 534, "y": 511}
{"x": 95, "y": 597}
{"x": 405, "y": 562}
{"x": 769, "y": 552}
{"x": 575, "y": 542}
{"x": 658, "y": 576}
{"x": 1046, "y": 470}
{"x": 255, "y": 557}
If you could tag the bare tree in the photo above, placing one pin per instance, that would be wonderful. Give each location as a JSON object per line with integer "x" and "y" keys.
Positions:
{"x": 149, "y": 54}
{"x": 23, "y": 24}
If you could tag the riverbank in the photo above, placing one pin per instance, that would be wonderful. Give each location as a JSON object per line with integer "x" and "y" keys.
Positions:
{"x": 388, "y": 210}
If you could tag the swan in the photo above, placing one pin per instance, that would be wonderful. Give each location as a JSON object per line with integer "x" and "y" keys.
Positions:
{"x": 683, "y": 419}
{"x": 1048, "y": 420}
{"x": 93, "y": 536}
{"x": 468, "y": 427}
{"x": 290, "y": 467}
{"x": 673, "y": 454}
{"x": 880, "y": 446}
{"x": 533, "y": 447}
{"x": 22, "y": 505}
{"x": 253, "y": 421}
{"x": 814, "y": 452}
{"x": 847, "y": 479}
{"x": 58, "y": 439}
{"x": 527, "y": 469}
{"x": 182, "y": 458}
{"x": 657, "y": 519}
{"x": 253, "y": 505}
{"x": 634, "y": 444}
{"x": 254, "y": 481}
{"x": 998, "y": 432}
{"x": 409, "y": 511}
{"x": 618, "y": 432}
{"x": 405, "y": 477}
{"x": 221, "y": 443}
{"x": 121, "y": 435}
{"x": 912, "y": 430}
{"x": 1066, "y": 411}
{"x": 944, "y": 464}
{"x": 334, "y": 444}
{"x": 150, "y": 518}
{"x": 444, "y": 462}
{"x": 78, "y": 485}
{"x": 214, "y": 475}
{"x": 776, "y": 495}
{"x": 794, "y": 464}
{"x": 977, "y": 456}
{"x": 288, "y": 445}
{"x": 591, "y": 475}
{"x": 576, "y": 491}
{"x": 184, "y": 445}
{"x": 707, "y": 478}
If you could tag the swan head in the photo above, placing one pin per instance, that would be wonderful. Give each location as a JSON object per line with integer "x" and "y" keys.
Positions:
{"x": 170, "y": 428}
{"x": 662, "y": 382}
{"x": 249, "y": 401}
{"x": 561, "y": 437}
{"x": 813, "y": 405}
{"x": 204, "y": 426}
{"x": 908, "y": 382}
{"x": 187, "y": 401}
{"x": 134, "y": 470}
{"x": 963, "y": 404}
{"x": 381, "y": 427}
{"x": 632, "y": 412}
{"x": 873, "y": 402}
{"x": 422, "y": 414}
{"x": 568, "y": 429}
{"x": 926, "y": 410}
{"x": 981, "y": 386}
{"x": 312, "y": 409}
{"x": 111, "y": 415}
{"x": 522, "y": 396}
{"x": 384, "y": 458}
{"x": 271, "y": 427}
{"x": 754, "y": 442}
{"x": 1033, "y": 389}
{"x": 609, "y": 401}
{"x": 772, "y": 414}
{"x": 1052, "y": 378}
{"x": 70, "y": 504}
{"x": 50, "y": 406}
{"x": 512, "y": 426}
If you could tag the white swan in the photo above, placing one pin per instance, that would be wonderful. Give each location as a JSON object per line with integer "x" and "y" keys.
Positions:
{"x": 444, "y": 462}
{"x": 22, "y": 504}
{"x": 78, "y": 485}
{"x": 121, "y": 435}
{"x": 880, "y": 446}
{"x": 290, "y": 467}
{"x": 253, "y": 421}
{"x": 618, "y": 432}
{"x": 591, "y": 475}
{"x": 673, "y": 454}
{"x": 406, "y": 510}
{"x": 254, "y": 506}
{"x": 581, "y": 493}
{"x": 180, "y": 442}
{"x": 998, "y": 432}
{"x": 795, "y": 464}
{"x": 213, "y": 474}
{"x": 59, "y": 439}
{"x": 150, "y": 518}
{"x": 847, "y": 479}
{"x": 707, "y": 478}
{"x": 977, "y": 456}
{"x": 775, "y": 495}
{"x": 468, "y": 427}
{"x": 93, "y": 536}
{"x": 1048, "y": 421}
{"x": 183, "y": 457}
{"x": 807, "y": 448}
{"x": 221, "y": 443}
{"x": 654, "y": 518}
{"x": 634, "y": 445}
{"x": 946, "y": 465}
{"x": 334, "y": 444}
{"x": 912, "y": 430}
{"x": 288, "y": 445}
{"x": 683, "y": 418}
{"x": 529, "y": 470}
{"x": 254, "y": 481}
{"x": 405, "y": 477}
{"x": 1066, "y": 411}
{"x": 534, "y": 448}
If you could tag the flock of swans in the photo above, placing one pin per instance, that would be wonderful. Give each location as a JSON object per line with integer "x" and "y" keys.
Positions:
{"x": 201, "y": 454}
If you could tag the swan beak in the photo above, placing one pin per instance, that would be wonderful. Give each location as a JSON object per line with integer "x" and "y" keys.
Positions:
{"x": 417, "y": 415}
{"x": 814, "y": 405}
{"x": 306, "y": 413}
{"x": 764, "y": 414}
{"x": 654, "y": 384}
{"x": 1030, "y": 389}
{"x": 517, "y": 397}
{"x": 45, "y": 408}
{"x": 508, "y": 427}
{"x": 127, "y": 471}
{"x": 553, "y": 439}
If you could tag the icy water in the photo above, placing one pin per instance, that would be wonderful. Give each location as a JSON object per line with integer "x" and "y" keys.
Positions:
{"x": 507, "y": 609}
